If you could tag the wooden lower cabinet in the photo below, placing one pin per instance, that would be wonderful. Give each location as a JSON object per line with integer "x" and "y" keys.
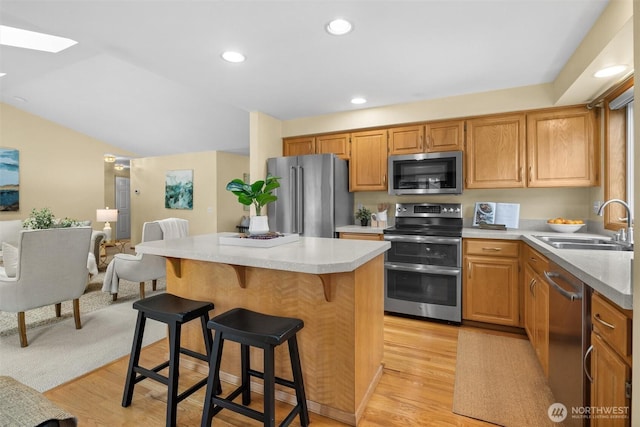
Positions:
{"x": 490, "y": 282}
{"x": 362, "y": 236}
{"x": 610, "y": 361}
{"x": 611, "y": 376}
{"x": 536, "y": 305}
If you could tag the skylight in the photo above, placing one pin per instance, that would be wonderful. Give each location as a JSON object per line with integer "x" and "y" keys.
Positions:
{"x": 16, "y": 37}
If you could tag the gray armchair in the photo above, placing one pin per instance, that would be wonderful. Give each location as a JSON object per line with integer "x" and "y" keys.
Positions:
{"x": 51, "y": 267}
{"x": 136, "y": 268}
{"x": 144, "y": 267}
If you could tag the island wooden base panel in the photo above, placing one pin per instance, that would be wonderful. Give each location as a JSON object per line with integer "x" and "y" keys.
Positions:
{"x": 416, "y": 387}
{"x": 341, "y": 344}
{"x": 285, "y": 395}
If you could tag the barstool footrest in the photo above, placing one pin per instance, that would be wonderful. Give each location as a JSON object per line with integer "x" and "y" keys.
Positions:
{"x": 194, "y": 354}
{"x": 278, "y": 380}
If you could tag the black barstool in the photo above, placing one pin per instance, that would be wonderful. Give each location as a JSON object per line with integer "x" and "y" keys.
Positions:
{"x": 174, "y": 311}
{"x": 263, "y": 331}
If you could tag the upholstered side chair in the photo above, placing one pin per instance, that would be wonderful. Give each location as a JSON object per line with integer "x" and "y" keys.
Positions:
{"x": 142, "y": 268}
{"x": 47, "y": 267}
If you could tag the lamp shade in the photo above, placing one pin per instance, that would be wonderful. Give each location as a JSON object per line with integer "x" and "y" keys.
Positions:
{"x": 106, "y": 215}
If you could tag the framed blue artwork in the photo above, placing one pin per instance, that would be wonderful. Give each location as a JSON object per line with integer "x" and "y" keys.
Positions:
{"x": 179, "y": 189}
{"x": 9, "y": 180}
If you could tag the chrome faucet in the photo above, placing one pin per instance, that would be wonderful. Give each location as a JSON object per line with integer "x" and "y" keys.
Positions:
{"x": 626, "y": 237}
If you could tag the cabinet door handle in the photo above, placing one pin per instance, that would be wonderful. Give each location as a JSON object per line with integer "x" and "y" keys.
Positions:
{"x": 607, "y": 324}
{"x": 532, "y": 259}
{"x": 492, "y": 249}
{"x": 584, "y": 363}
{"x": 532, "y": 283}
{"x": 530, "y": 174}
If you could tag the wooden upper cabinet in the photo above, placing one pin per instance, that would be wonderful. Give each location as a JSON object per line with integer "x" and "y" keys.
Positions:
{"x": 335, "y": 143}
{"x": 406, "y": 140}
{"x": 298, "y": 146}
{"x": 495, "y": 151}
{"x": 445, "y": 135}
{"x": 562, "y": 148}
{"x": 368, "y": 164}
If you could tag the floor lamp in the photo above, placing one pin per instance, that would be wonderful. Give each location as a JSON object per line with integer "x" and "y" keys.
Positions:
{"x": 107, "y": 215}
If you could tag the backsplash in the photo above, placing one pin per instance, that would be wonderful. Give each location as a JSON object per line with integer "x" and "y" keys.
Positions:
{"x": 536, "y": 204}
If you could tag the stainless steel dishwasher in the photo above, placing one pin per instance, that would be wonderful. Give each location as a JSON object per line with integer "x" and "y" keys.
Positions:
{"x": 569, "y": 338}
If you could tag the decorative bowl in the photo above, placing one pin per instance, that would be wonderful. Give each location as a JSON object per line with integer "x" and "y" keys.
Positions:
{"x": 565, "y": 228}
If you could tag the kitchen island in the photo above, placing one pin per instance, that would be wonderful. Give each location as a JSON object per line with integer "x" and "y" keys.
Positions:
{"x": 335, "y": 286}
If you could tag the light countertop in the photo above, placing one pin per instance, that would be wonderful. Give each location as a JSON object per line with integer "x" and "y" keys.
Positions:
{"x": 313, "y": 255}
{"x": 608, "y": 272}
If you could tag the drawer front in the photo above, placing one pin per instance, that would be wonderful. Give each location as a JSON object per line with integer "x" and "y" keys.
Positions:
{"x": 504, "y": 248}
{"x": 538, "y": 262}
{"x": 611, "y": 324}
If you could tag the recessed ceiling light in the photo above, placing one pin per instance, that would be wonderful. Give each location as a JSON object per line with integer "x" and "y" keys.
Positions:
{"x": 358, "y": 100}
{"x": 19, "y": 98}
{"x": 3, "y": 74}
{"x": 16, "y": 37}
{"x": 231, "y": 56}
{"x": 339, "y": 27}
{"x": 610, "y": 71}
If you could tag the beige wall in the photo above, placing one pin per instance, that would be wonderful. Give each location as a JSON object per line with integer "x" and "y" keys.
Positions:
{"x": 265, "y": 140}
{"x": 59, "y": 168}
{"x": 213, "y": 210}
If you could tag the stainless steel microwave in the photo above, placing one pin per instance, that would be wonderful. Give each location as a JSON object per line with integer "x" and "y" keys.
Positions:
{"x": 426, "y": 173}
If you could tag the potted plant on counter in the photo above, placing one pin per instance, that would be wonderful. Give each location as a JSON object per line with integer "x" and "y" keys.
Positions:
{"x": 364, "y": 215}
{"x": 258, "y": 194}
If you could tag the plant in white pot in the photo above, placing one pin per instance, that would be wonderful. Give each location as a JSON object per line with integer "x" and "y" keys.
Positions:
{"x": 258, "y": 194}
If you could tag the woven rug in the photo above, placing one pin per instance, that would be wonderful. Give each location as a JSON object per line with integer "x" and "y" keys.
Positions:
{"x": 92, "y": 300}
{"x": 499, "y": 380}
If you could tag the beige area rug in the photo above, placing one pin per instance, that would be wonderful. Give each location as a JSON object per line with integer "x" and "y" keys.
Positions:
{"x": 58, "y": 352}
{"x": 92, "y": 300}
{"x": 499, "y": 380}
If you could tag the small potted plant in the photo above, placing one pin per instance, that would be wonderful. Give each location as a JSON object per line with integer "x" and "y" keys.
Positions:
{"x": 258, "y": 194}
{"x": 364, "y": 215}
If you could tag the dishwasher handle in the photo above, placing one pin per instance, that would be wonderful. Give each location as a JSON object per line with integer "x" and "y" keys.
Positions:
{"x": 571, "y": 296}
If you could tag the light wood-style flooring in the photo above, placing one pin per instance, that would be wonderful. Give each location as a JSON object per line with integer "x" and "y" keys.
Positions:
{"x": 416, "y": 388}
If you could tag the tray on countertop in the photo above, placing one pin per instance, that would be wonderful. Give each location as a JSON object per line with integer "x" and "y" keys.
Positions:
{"x": 240, "y": 239}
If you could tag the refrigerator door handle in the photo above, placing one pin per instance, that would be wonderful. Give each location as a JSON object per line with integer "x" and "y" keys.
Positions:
{"x": 292, "y": 196}
{"x": 300, "y": 200}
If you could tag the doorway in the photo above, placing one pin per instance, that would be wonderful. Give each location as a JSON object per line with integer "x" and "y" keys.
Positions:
{"x": 123, "y": 201}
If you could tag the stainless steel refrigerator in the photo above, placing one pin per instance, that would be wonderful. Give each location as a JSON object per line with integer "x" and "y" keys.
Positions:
{"x": 313, "y": 198}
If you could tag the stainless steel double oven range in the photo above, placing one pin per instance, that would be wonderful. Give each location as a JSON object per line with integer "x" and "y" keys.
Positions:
{"x": 423, "y": 268}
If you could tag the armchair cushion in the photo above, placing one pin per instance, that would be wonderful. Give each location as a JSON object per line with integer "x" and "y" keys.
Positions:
{"x": 10, "y": 258}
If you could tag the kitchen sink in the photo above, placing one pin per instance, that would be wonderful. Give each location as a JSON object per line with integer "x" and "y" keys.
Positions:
{"x": 584, "y": 243}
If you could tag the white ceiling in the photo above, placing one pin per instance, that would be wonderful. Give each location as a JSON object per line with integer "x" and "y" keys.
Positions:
{"x": 146, "y": 75}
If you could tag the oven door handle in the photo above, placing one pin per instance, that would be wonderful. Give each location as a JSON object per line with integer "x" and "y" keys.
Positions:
{"x": 422, "y": 239}
{"x": 432, "y": 269}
